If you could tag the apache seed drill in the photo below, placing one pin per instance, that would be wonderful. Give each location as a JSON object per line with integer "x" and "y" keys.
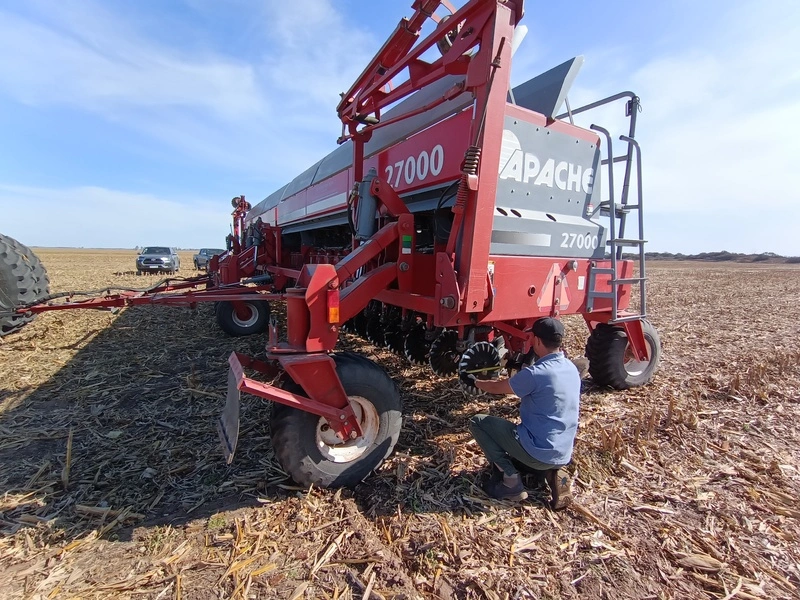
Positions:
{"x": 454, "y": 213}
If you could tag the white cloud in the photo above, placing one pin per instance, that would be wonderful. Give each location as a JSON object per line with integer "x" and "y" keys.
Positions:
{"x": 100, "y": 66}
{"x": 264, "y": 117}
{"x": 719, "y": 127}
{"x": 103, "y": 218}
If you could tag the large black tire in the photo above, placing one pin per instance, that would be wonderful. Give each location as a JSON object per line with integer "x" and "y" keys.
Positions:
{"x": 611, "y": 361}
{"x": 231, "y": 324}
{"x": 23, "y": 279}
{"x": 302, "y": 441}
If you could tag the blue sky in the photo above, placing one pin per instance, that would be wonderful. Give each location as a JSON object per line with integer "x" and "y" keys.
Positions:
{"x": 132, "y": 123}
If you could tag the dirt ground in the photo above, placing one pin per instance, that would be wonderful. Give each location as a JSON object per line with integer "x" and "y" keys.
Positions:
{"x": 112, "y": 484}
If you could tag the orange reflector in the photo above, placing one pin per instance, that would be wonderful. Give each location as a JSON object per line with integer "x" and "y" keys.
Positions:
{"x": 333, "y": 306}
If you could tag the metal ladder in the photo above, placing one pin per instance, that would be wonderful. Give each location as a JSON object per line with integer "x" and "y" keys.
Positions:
{"x": 620, "y": 210}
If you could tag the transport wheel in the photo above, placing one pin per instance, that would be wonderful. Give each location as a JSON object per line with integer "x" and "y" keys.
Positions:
{"x": 444, "y": 356}
{"x": 308, "y": 449}
{"x": 611, "y": 359}
{"x": 233, "y": 324}
{"x": 481, "y": 360}
{"x": 23, "y": 279}
{"x": 416, "y": 346}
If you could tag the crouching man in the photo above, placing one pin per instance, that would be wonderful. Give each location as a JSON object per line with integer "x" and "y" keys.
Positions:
{"x": 550, "y": 398}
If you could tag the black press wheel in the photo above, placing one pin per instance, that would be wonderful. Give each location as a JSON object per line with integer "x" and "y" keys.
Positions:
{"x": 23, "y": 280}
{"x": 395, "y": 338}
{"x": 375, "y": 330}
{"x": 444, "y": 356}
{"x": 481, "y": 361}
{"x": 234, "y": 324}
{"x": 310, "y": 452}
{"x": 611, "y": 360}
{"x": 360, "y": 323}
{"x": 416, "y": 345}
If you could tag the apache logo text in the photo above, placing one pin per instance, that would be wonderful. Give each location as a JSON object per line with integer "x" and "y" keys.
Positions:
{"x": 526, "y": 167}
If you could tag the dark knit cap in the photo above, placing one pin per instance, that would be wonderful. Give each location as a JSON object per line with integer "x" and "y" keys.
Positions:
{"x": 549, "y": 330}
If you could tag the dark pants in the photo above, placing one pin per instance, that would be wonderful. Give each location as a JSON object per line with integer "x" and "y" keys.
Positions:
{"x": 499, "y": 442}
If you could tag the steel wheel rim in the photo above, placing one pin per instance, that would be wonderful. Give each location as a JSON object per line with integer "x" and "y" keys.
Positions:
{"x": 338, "y": 451}
{"x": 249, "y": 321}
{"x": 634, "y": 367}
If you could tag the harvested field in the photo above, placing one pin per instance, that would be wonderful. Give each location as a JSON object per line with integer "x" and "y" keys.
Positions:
{"x": 113, "y": 485}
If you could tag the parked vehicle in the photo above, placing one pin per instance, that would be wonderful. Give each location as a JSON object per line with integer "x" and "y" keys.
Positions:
{"x": 158, "y": 258}
{"x": 202, "y": 258}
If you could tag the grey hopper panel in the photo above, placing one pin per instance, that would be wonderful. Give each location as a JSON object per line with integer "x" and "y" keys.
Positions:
{"x": 269, "y": 202}
{"x": 547, "y": 183}
{"x": 546, "y": 93}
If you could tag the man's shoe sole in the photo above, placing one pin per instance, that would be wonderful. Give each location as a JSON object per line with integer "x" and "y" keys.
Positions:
{"x": 523, "y": 495}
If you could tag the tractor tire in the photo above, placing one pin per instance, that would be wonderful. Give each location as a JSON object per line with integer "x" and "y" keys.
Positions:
{"x": 306, "y": 446}
{"x": 611, "y": 362}
{"x": 234, "y": 326}
{"x": 23, "y": 279}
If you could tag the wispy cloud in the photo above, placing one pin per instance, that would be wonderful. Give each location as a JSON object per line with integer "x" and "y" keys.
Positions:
{"x": 264, "y": 115}
{"x": 719, "y": 126}
{"x": 105, "y": 218}
{"x": 88, "y": 59}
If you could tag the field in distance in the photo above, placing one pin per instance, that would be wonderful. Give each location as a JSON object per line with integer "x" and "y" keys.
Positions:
{"x": 112, "y": 483}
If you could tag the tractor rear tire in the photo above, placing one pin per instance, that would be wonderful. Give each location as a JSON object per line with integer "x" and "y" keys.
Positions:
{"x": 234, "y": 326}
{"x": 611, "y": 361}
{"x": 304, "y": 443}
{"x": 23, "y": 279}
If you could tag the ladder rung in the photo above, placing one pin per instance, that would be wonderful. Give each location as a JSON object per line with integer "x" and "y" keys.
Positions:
{"x": 606, "y": 204}
{"x": 621, "y": 210}
{"x": 625, "y": 242}
{"x": 630, "y": 280}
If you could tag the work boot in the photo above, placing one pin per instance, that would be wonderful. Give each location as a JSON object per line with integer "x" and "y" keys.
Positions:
{"x": 582, "y": 364}
{"x": 560, "y": 488}
{"x": 509, "y": 487}
{"x": 494, "y": 475}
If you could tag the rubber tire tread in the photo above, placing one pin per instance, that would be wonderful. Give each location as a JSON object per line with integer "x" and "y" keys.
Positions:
{"x": 605, "y": 350}
{"x": 224, "y": 314}
{"x": 294, "y": 430}
{"x": 23, "y": 279}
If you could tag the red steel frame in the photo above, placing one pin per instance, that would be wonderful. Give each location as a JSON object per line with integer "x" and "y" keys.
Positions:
{"x": 461, "y": 290}
{"x": 454, "y": 287}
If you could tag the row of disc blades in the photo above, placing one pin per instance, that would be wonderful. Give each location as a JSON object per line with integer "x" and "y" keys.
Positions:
{"x": 439, "y": 349}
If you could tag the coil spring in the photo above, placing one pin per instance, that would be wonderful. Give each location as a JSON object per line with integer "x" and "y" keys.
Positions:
{"x": 471, "y": 159}
{"x": 469, "y": 167}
